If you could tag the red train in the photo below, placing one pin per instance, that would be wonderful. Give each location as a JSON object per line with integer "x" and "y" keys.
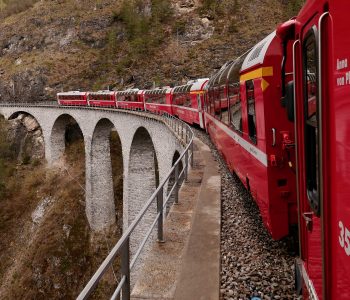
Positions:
{"x": 246, "y": 121}
{"x": 278, "y": 115}
{"x": 321, "y": 54}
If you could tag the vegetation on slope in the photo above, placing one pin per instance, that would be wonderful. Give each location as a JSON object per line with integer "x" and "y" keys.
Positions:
{"x": 89, "y": 44}
{"x": 47, "y": 249}
{"x": 92, "y": 44}
{"x": 10, "y": 7}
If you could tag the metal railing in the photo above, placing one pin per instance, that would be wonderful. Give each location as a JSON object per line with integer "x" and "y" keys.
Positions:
{"x": 185, "y": 134}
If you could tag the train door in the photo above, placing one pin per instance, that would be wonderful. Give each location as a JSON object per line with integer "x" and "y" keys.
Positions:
{"x": 310, "y": 158}
{"x": 200, "y": 110}
{"x": 335, "y": 54}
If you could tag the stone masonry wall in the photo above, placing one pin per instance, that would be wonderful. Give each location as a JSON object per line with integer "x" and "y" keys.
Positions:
{"x": 99, "y": 192}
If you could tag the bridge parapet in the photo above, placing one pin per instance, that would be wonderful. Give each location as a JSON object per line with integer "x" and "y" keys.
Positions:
{"x": 167, "y": 135}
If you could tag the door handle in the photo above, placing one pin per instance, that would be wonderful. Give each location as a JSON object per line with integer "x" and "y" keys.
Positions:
{"x": 308, "y": 220}
{"x": 273, "y": 137}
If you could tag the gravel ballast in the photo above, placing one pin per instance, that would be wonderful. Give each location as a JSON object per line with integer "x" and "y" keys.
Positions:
{"x": 252, "y": 264}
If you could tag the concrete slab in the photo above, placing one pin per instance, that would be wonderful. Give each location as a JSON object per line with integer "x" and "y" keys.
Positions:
{"x": 200, "y": 273}
{"x": 187, "y": 265}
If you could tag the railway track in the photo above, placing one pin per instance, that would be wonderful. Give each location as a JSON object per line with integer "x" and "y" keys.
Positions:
{"x": 252, "y": 264}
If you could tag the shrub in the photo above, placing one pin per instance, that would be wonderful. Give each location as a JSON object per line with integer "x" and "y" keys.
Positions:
{"x": 293, "y": 7}
{"x": 143, "y": 24}
{"x": 26, "y": 160}
{"x": 11, "y": 7}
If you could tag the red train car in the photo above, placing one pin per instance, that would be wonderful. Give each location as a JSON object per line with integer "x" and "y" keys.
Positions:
{"x": 188, "y": 102}
{"x": 72, "y": 98}
{"x": 252, "y": 132}
{"x": 158, "y": 100}
{"x": 102, "y": 98}
{"x": 130, "y": 99}
{"x": 322, "y": 122}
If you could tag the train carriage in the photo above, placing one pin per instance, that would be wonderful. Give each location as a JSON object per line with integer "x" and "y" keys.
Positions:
{"x": 158, "y": 100}
{"x": 252, "y": 132}
{"x": 322, "y": 122}
{"x": 72, "y": 98}
{"x": 130, "y": 99}
{"x": 102, "y": 98}
{"x": 188, "y": 102}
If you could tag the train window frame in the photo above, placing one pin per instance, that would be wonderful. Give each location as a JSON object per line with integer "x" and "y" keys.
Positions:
{"x": 253, "y": 136}
{"x": 224, "y": 110}
{"x": 238, "y": 85}
{"x": 217, "y": 102}
{"x": 311, "y": 125}
{"x": 211, "y": 102}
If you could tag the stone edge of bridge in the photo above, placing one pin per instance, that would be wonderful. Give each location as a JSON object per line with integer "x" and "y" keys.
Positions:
{"x": 187, "y": 265}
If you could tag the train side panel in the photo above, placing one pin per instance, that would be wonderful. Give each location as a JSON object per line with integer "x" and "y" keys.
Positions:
{"x": 323, "y": 122}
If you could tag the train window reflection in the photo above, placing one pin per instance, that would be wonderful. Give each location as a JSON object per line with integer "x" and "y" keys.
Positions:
{"x": 251, "y": 110}
{"x": 235, "y": 106}
{"x": 311, "y": 121}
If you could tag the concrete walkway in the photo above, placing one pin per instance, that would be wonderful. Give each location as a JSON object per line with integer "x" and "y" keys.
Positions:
{"x": 187, "y": 265}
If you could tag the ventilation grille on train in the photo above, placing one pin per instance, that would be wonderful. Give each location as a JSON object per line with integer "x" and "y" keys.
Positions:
{"x": 256, "y": 53}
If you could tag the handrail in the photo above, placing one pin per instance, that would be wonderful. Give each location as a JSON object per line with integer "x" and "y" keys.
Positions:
{"x": 184, "y": 133}
{"x": 123, "y": 243}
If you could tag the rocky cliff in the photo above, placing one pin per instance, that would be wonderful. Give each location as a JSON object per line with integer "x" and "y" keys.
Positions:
{"x": 53, "y": 45}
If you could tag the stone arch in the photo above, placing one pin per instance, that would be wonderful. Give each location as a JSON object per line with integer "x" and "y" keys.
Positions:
{"x": 101, "y": 205}
{"x": 58, "y": 136}
{"x": 28, "y": 131}
{"x": 143, "y": 177}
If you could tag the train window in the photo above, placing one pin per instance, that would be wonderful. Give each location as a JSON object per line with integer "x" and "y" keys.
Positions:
{"x": 251, "y": 111}
{"x": 311, "y": 121}
{"x": 224, "y": 105}
{"x": 188, "y": 101}
{"x": 212, "y": 102}
{"x": 217, "y": 106}
{"x": 235, "y": 106}
{"x": 149, "y": 99}
{"x": 179, "y": 99}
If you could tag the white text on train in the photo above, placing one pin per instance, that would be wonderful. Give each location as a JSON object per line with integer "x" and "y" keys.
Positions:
{"x": 342, "y": 64}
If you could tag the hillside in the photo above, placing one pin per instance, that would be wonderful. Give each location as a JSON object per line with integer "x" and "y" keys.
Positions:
{"x": 46, "y": 46}
{"x": 49, "y": 46}
{"x": 47, "y": 250}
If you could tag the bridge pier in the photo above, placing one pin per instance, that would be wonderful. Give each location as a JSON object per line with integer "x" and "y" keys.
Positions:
{"x": 139, "y": 170}
{"x": 100, "y": 207}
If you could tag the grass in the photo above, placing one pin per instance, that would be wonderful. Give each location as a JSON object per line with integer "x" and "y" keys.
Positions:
{"x": 11, "y": 7}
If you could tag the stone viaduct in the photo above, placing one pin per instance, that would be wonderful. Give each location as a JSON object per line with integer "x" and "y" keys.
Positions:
{"x": 143, "y": 139}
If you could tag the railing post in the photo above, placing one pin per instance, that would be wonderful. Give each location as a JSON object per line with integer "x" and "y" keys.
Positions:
{"x": 125, "y": 269}
{"x": 176, "y": 184}
{"x": 182, "y": 130}
{"x": 192, "y": 157}
{"x": 186, "y": 165}
{"x": 160, "y": 211}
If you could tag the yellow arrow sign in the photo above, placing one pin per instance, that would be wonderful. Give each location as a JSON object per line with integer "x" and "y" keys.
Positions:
{"x": 264, "y": 84}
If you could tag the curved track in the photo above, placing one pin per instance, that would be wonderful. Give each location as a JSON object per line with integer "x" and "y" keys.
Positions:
{"x": 252, "y": 264}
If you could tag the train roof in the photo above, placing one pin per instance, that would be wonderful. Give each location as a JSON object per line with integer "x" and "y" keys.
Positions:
{"x": 105, "y": 92}
{"x": 198, "y": 84}
{"x": 229, "y": 71}
{"x": 257, "y": 55}
{"x": 182, "y": 88}
{"x": 71, "y": 93}
{"x": 129, "y": 92}
{"x": 232, "y": 69}
{"x": 159, "y": 91}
